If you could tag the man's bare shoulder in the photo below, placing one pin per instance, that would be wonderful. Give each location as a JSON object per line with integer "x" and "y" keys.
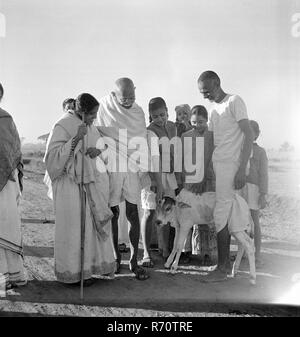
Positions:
{"x": 234, "y": 97}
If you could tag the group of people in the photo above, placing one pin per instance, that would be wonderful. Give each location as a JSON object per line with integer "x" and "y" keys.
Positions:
{"x": 83, "y": 180}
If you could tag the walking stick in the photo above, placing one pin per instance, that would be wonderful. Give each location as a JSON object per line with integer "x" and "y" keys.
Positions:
{"x": 82, "y": 222}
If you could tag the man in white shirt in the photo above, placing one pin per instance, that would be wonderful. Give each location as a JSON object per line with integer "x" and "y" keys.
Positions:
{"x": 230, "y": 129}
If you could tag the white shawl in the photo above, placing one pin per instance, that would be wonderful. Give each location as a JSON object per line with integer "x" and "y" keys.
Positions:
{"x": 114, "y": 120}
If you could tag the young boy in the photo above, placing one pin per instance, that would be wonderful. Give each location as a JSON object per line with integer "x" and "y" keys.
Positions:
{"x": 256, "y": 187}
{"x": 183, "y": 114}
{"x": 159, "y": 127}
{"x": 69, "y": 105}
{"x": 203, "y": 180}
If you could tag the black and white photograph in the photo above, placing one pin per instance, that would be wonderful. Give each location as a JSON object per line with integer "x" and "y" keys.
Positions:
{"x": 149, "y": 161}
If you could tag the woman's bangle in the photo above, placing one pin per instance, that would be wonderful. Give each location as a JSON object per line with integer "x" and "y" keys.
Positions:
{"x": 75, "y": 141}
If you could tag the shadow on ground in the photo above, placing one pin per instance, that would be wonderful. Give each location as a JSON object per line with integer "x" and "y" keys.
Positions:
{"x": 163, "y": 294}
{"x": 183, "y": 293}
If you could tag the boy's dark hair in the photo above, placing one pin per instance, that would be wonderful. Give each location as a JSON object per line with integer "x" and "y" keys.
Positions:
{"x": 254, "y": 125}
{"x": 69, "y": 101}
{"x": 86, "y": 102}
{"x": 156, "y": 103}
{"x": 1, "y": 91}
{"x": 199, "y": 110}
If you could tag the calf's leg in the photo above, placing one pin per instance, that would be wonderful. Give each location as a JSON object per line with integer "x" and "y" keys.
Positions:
{"x": 248, "y": 245}
{"x": 238, "y": 259}
{"x": 183, "y": 232}
{"x": 172, "y": 255}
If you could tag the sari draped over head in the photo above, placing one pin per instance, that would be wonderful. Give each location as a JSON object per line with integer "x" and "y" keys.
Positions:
{"x": 10, "y": 149}
{"x": 60, "y": 160}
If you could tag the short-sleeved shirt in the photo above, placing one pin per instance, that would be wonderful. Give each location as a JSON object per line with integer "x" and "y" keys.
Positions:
{"x": 258, "y": 173}
{"x": 228, "y": 137}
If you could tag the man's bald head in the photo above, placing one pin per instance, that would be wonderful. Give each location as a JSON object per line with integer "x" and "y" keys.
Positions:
{"x": 210, "y": 76}
{"x": 209, "y": 85}
{"x": 125, "y": 92}
{"x": 124, "y": 83}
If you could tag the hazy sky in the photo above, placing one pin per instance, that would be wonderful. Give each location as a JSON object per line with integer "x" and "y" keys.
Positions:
{"x": 59, "y": 48}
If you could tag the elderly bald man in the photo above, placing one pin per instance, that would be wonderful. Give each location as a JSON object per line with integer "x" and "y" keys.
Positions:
{"x": 230, "y": 129}
{"x": 118, "y": 111}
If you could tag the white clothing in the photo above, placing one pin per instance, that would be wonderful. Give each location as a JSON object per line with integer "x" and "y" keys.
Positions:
{"x": 228, "y": 137}
{"x": 64, "y": 170}
{"x": 225, "y": 193}
{"x": 250, "y": 193}
{"x": 124, "y": 186}
{"x": 125, "y": 127}
{"x": 169, "y": 182}
{"x": 228, "y": 141}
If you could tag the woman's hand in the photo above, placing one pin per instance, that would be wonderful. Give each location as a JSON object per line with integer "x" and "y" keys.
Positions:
{"x": 82, "y": 131}
{"x": 93, "y": 152}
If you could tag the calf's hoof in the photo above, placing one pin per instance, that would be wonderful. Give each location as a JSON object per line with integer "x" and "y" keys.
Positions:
{"x": 252, "y": 281}
{"x": 167, "y": 266}
{"x": 234, "y": 273}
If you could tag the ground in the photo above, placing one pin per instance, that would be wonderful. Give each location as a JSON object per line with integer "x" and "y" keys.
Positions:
{"x": 180, "y": 295}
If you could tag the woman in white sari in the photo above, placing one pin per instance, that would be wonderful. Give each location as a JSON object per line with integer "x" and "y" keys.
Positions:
{"x": 63, "y": 160}
{"x": 12, "y": 271}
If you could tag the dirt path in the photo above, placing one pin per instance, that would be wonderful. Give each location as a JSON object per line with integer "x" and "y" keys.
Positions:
{"x": 164, "y": 294}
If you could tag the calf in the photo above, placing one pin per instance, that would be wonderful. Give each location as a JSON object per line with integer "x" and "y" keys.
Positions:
{"x": 199, "y": 210}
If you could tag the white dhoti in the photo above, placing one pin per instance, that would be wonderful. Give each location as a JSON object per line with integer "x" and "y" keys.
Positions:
{"x": 230, "y": 207}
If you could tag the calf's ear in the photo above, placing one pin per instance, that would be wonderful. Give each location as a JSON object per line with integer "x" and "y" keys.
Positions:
{"x": 181, "y": 204}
